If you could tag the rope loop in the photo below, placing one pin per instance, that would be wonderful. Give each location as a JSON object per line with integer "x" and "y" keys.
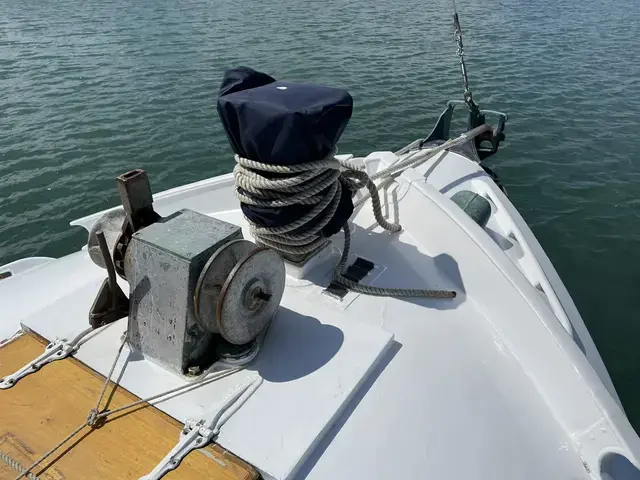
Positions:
{"x": 92, "y": 417}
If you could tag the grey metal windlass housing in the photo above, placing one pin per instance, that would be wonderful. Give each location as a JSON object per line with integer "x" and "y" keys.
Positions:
{"x": 162, "y": 265}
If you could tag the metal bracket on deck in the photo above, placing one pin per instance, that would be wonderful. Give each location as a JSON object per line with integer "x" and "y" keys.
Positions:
{"x": 56, "y": 350}
{"x": 199, "y": 432}
{"x": 476, "y": 150}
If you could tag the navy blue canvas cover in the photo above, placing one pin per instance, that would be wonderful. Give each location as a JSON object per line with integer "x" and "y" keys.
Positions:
{"x": 283, "y": 123}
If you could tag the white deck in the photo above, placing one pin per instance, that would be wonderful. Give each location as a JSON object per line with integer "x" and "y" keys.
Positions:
{"x": 491, "y": 385}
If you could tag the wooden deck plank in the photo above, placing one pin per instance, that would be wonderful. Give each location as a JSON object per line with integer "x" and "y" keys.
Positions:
{"x": 44, "y": 407}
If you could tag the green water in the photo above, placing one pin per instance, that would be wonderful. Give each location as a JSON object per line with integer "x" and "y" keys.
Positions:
{"x": 90, "y": 89}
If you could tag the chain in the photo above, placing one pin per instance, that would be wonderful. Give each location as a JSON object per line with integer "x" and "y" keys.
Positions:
{"x": 13, "y": 463}
{"x": 468, "y": 97}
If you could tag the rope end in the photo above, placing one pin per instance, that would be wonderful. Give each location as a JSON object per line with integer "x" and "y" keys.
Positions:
{"x": 440, "y": 294}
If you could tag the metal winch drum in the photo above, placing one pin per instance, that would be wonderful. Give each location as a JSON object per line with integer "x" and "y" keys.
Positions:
{"x": 235, "y": 292}
{"x": 198, "y": 291}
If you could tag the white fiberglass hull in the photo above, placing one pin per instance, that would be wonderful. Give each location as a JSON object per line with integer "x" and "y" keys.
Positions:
{"x": 503, "y": 382}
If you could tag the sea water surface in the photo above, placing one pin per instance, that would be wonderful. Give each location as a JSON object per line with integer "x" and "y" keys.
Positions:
{"x": 92, "y": 88}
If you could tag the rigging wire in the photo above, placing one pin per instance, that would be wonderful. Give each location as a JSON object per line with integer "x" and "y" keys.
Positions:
{"x": 468, "y": 96}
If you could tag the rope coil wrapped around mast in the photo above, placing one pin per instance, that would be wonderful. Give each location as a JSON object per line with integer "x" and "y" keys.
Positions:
{"x": 293, "y": 201}
{"x": 318, "y": 183}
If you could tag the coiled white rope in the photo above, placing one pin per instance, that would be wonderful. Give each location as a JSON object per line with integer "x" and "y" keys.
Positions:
{"x": 320, "y": 184}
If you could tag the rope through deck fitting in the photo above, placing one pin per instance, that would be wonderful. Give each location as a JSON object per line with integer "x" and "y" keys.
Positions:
{"x": 320, "y": 184}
